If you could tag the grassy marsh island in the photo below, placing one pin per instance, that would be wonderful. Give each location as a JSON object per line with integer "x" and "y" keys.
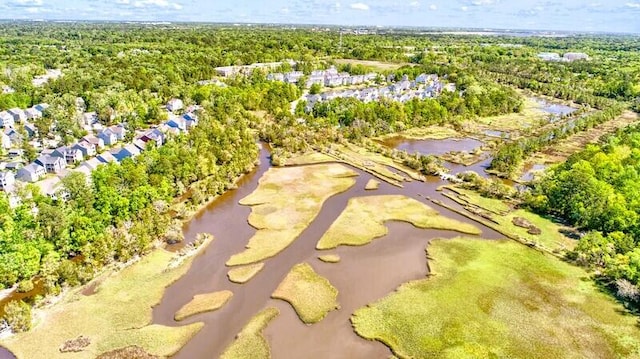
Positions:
{"x": 244, "y": 274}
{"x": 372, "y": 185}
{"x": 250, "y": 343}
{"x": 286, "y": 201}
{"x": 118, "y": 315}
{"x": 203, "y": 303}
{"x": 363, "y": 220}
{"x": 310, "y": 294}
{"x": 499, "y": 299}
{"x": 329, "y": 258}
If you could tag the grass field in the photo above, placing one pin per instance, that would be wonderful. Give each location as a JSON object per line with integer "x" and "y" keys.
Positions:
{"x": 250, "y": 343}
{"x": 311, "y": 295}
{"x": 203, "y": 303}
{"x": 244, "y": 274}
{"x": 309, "y": 158}
{"x": 491, "y": 299}
{"x": 286, "y": 201}
{"x": 426, "y": 133}
{"x": 551, "y": 237}
{"x": 118, "y": 315}
{"x": 373, "y": 64}
{"x": 528, "y": 117}
{"x": 363, "y": 220}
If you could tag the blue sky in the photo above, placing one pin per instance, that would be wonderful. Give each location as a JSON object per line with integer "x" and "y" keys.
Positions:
{"x": 577, "y": 15}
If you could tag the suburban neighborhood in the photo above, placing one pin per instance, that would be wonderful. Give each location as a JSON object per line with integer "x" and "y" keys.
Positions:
{"x": 101, "y": 145}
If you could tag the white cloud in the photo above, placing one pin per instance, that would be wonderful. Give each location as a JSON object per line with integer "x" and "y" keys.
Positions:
{"x": 152, "y": 3}
{"x": 29, "y": 3}
{"x": 633, "y": 5}
{"x": 122, "y": 1}
{"x": 414, "y": 4}
{"x": 284, "y": 10}
{"x": 360, "y": 6}
{"x": 433, "y": 7}
{"x": 483, "y": 2}
{"x": 464, "y": 8}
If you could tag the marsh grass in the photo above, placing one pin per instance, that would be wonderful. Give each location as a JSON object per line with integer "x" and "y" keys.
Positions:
{"x": 286, "y": 201}
{"x": 499, "y": 299}
{"x": 551, "y": 238}
{"x": 250, "y": 342}
{"x": 118, "y": 315}
{"x": 372, "y": 185}
{"x": 330, "y": 258}
{"x": 311, "y": 295}
{"x": 244, "y": 274}
{"x": 203, "y": 303}
{"x": 364, "y": 220}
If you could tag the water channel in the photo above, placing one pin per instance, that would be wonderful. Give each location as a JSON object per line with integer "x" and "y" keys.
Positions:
{"x": 363, "y": 275}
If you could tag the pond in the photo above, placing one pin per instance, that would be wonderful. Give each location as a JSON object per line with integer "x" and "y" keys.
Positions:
{"x": 433, "y": 147}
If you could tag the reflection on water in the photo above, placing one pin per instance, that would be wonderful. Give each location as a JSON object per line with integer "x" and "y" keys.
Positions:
{"x": 433, "y": 147}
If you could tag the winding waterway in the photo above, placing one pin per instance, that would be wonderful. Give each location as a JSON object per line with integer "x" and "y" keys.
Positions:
{"x": 363, "y": 275}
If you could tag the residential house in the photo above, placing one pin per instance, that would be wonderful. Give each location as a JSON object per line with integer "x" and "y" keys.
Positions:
{"x": 33, "y": 113}
{"x": 31, "y": 173}
{"x": 140, "y": 144}
{"x": 51, "y": 164}
{"x": 88, "y": 149}
{"x": 175, "y": 104}
{"x": 128, "y": 151}
{"x": 275, "y": 77}
{"x": 154, "y": 135}
{"x": 73, "y": 155}
{"x": 41, "y": 107}
{"x": 18, "y": 114}
{"x": 14, "y": 166}
{"x": 106, "y": 157}
{"x": 549, "y": 56}
{"x": 14, "y": 136}
{"x": 6, "y": 120}
{"x": 177, "y": 122}
{"x": 575, "y": 56}
{"x": 53, "y": 188}
{"x": 58, "y": 152}
{"x": 119, "y": 131}
{"x": 5, "y": 141}
{"x": 97, "y": 142}
{"x": 108, "y": 137}
{"x": 191, "y": 119}
{"x": 7, "y": 89}
{"x": 88, "y": 119}
{"x": 7, "y": 180}
{"x": 30, "y": 129}
{"x": 16, "y": 152}
{"x": 91, "y": 164}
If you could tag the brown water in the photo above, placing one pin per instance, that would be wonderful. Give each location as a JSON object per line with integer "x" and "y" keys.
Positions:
{"x": 5, "y": 354}
{"x": 433, "y": 147}
{"x": 364, "y": 275}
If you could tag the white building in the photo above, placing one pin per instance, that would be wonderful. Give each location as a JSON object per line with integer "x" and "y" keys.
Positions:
{"x": 175, "y": 105}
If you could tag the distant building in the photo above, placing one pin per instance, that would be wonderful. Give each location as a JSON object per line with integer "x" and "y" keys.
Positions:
{"x": 6, "y": 120}
{"x": 549, "y": 56}
{"x": 51, "y": 164}
{"x": 7, "y": 180}
{"x": 575, "y": 56}
{"x": 18, "y": 114}
{"x": 175, "y": 104}
{"x": 5, "y": 141}
{"x": 31, "y": 173}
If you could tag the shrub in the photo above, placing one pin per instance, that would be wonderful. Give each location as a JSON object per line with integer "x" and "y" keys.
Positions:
{"x": 25, "y": 286}
{"x": 18, "y": 316}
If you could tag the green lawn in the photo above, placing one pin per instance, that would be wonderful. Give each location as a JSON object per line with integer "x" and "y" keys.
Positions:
{"x": 311, "y": 295}
{"x": 364, "y": 220}
{"x": 499, "y": 299}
